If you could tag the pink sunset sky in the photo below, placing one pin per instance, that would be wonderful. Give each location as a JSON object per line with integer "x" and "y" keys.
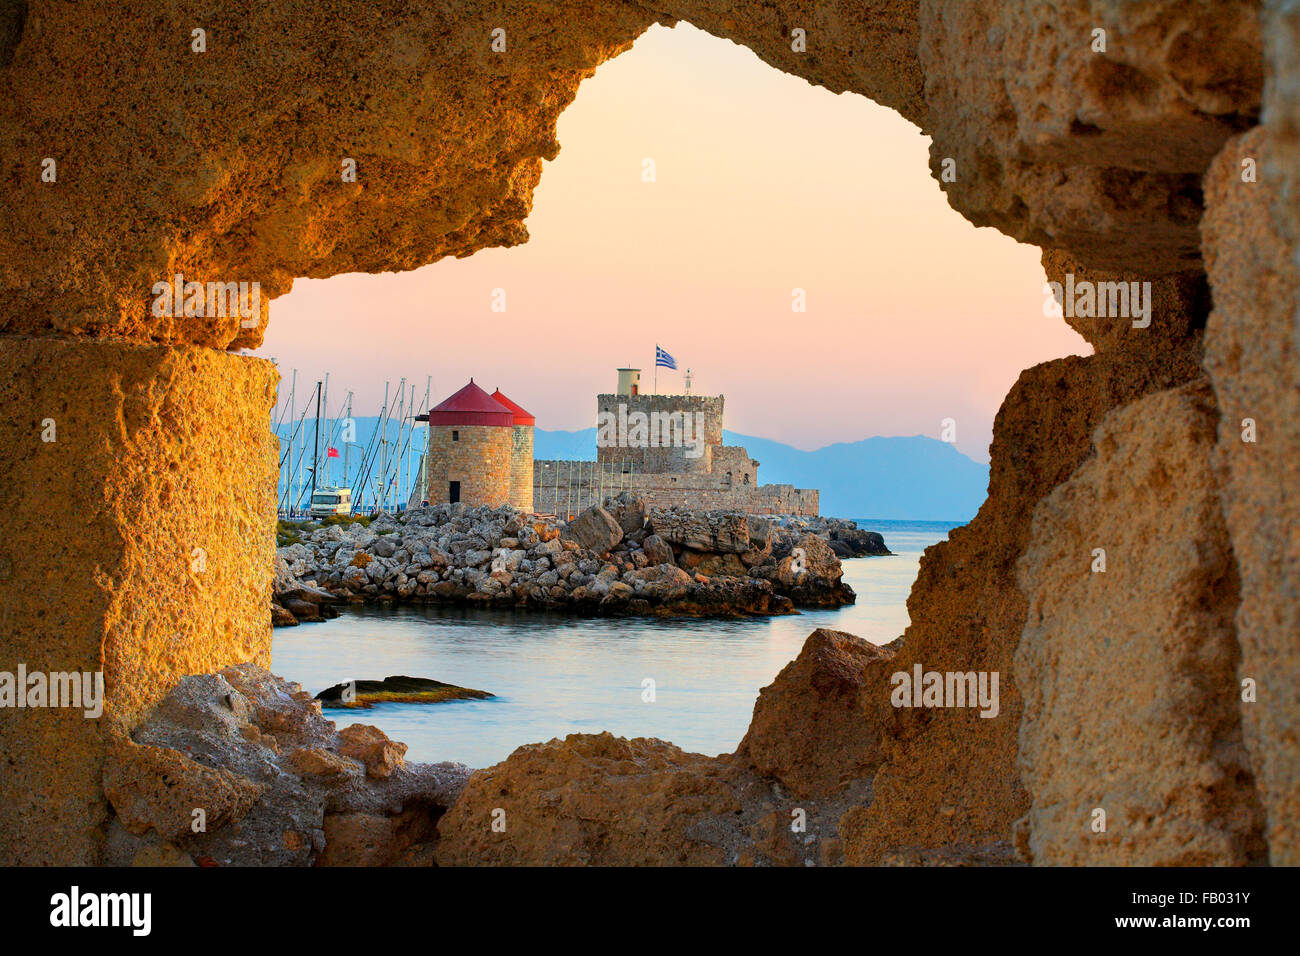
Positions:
{"x": 764, "y": 183}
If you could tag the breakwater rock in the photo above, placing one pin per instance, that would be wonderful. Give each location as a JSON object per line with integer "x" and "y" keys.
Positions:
{"x": 295, "y": 602}
{"x": 846, "y": 539}
{"x": 620, "y": 558}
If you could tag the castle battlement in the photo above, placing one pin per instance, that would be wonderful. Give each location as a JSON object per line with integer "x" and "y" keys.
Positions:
{"x": 669, "y": 450}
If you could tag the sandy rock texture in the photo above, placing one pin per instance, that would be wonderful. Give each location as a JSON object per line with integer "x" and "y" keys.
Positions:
{"x": 590, "y": 800}
{"x": 233, "y": 157}
{"x": 1179, "y": 304}
{"x": 809, "y": 730}
{"x": 1281, "y": 115}
{"x": 1128, "y": 667}
{"x": 864, "y": 46}
{"x": 1253, "y": 356}
{"x": 1096, "y": 153}
{"x": 604, "y": 800}
{"x": 137, "y": 551}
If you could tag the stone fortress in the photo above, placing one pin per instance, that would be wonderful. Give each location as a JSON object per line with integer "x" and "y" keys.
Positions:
{"x": 480, "y": 451}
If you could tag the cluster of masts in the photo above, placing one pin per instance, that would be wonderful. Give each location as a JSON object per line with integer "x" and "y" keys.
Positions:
{"x": 324, "y": 470}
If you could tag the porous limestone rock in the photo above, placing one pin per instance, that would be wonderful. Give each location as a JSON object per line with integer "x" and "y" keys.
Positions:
{"x": 1127, "y": 667}
{"x": 1098, "y": 153}
{"x": 863, "y": 46}
{"x": 157, "y": 789}
{"x": 599, "y": 800}
{"x": 276, "y": 784}
{"x": 1178, "y": 302}
{"x": 235, "y": 156}
{"x": 1252, "y": 346}
{"x": 372, "y": 747}
{"x": 141, "y": 548}
{"x": 588, "y": 800}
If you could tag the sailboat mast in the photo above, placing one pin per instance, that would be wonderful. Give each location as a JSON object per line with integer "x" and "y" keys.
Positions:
{"x": 328, "y": 431}
{"x": 315, "y": 448}
{"x": 293, "y": 405}
{"x": 397, "y": 461}
{"x": 347, "y": 418}
{"x": 383, "y": 453}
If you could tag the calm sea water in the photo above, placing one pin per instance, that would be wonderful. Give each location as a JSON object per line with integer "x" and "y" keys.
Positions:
{"x": 556, "y": 674}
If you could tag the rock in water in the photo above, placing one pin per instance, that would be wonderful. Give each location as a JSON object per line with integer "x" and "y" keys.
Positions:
{"x": 396, "y": 690}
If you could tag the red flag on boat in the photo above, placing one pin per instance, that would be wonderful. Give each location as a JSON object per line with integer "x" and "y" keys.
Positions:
{"x": 332, "y": 453}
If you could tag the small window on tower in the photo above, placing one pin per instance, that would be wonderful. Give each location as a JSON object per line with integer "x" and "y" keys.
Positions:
{"x": 455, "y": 436}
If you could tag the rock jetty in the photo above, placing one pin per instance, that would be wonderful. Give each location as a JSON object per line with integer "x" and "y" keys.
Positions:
{"x": 620, "y": 558}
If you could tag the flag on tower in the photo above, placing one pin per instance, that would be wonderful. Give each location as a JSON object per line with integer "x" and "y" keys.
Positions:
{"x": 664, "y": 359}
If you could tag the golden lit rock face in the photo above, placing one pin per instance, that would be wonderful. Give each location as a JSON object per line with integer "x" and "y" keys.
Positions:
{"x": 231, "y": 165}
{"x": 227, "y": 165}
{"x": 1180, "y": 303}
{"x": 136, "y": 543}
{"x": 859, "y": 46}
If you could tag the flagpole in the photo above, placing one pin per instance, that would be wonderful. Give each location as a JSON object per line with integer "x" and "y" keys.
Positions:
{"x": 656, "y": 370}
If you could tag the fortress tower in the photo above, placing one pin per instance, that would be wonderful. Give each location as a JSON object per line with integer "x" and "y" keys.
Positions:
{"x": 471, "y": 445}
{"x": 702, "y": 414}
{"x": 521, "y": 453}
{"x": 668, "y": 450}
{"x": 629, "y": 381}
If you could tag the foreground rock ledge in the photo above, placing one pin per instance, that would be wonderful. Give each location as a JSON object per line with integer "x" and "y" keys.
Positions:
{"x": 271, "y": 780}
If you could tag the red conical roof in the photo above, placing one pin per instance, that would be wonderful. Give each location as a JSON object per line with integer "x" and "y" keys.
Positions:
{"x": 522, "y": 415}
{"x": 471, "y": 406}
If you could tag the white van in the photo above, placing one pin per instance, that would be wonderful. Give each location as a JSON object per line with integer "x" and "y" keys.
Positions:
{"x": 331, "y": 501}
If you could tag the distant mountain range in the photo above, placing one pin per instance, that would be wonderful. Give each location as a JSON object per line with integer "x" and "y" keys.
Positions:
{"x": 915, "y": 478}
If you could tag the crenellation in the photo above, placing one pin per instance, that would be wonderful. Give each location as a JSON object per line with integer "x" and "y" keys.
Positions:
{"x": 692, "y": 469}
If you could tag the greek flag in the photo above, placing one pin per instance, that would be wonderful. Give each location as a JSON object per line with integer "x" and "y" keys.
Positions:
{"x": 664, "y": 359}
